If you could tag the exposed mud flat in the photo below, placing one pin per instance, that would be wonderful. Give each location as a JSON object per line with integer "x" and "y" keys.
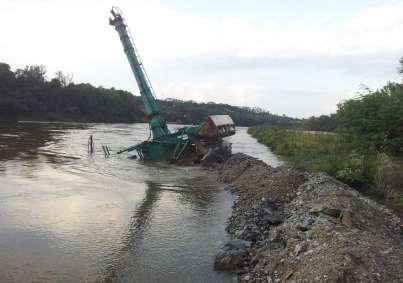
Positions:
{"x": 292, "y": 226}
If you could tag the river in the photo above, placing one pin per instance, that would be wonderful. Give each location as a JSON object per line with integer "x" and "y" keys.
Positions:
{"x": 68, "y": 216}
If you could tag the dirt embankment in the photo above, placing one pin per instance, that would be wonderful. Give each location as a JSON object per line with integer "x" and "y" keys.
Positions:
{"x": 291, "y": 226}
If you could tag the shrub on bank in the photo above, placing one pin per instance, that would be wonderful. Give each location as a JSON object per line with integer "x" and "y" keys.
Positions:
{"x": 374, "y": 120}
{"x": 313, "y": 151}
{"x": 334, "y": 154}
{"x": 389, "y": 176}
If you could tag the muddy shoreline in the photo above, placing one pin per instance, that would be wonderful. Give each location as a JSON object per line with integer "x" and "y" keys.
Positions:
{"x": 292, "y": 226}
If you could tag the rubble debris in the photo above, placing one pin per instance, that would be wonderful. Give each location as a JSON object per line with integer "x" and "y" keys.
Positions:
{"x": 216, "y": 156}
{"x": 232, "y": 255}
{"x": 306, "y": 227}
{"x": 347, "y": 218}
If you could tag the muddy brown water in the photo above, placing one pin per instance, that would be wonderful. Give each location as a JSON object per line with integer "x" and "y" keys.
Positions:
{"x": 67, "y": 216}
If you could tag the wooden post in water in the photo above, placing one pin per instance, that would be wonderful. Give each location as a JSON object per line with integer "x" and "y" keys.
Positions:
{"x": 106, "y": 150}
{"x": 90, "y": 145}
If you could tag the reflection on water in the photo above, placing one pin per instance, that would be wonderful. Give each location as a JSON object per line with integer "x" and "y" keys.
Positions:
{"x": 23, "y": 139}
{"x": 69, "y": 217}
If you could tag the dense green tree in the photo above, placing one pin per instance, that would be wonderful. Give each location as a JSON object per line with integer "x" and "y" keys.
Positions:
{"x": 374, "y": 119}
{"x": 35, "y": 74}
{"x": 323, "y": 123}
{"x": 63, "y": 79}
{"x": 6, "y": 75}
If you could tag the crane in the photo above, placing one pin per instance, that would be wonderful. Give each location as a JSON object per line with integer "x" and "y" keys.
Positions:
{"x": 157, "y": 124}
{"x": 188, "y": 143}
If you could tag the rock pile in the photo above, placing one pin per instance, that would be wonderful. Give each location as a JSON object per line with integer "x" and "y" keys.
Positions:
{"x": 291, "y": 226}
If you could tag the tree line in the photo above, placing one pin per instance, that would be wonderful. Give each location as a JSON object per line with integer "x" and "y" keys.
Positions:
{"x": 27, "y": 94}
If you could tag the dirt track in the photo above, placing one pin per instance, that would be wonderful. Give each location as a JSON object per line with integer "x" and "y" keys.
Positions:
{"x": 291, "y": 226}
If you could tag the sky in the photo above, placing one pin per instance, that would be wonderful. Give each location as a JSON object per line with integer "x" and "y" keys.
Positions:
{"x": 298, "y": 58}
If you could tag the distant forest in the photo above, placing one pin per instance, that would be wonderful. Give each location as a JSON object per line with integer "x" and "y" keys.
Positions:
{"x": 323, "y": 123}
{"x": 28, "y": 94}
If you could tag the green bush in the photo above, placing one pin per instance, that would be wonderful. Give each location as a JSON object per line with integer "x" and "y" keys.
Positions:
{"x": 327, "y": 152}
{"x": 374, "y": 121}
{"x": 388, "y": 176}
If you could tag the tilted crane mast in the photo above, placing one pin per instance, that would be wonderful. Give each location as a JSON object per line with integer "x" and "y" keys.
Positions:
{"x": 188, "y": 143}
{"x": 157, "y": 124}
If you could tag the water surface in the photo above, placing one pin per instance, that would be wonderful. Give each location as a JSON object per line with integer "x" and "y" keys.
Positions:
{"x": 68, "y": 216}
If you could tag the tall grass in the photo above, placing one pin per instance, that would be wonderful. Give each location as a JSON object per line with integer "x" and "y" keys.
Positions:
{"x": 332, "y": 153}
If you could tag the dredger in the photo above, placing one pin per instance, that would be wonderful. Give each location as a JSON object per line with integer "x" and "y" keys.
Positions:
{"x": 193, "y": 143}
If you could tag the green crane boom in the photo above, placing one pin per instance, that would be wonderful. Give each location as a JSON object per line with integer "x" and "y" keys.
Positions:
{"x": 194, "y": 143}
{"x": 157, "y": 123}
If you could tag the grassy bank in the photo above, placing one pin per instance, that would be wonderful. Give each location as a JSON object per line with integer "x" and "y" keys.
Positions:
{"x": 379, "y": 175}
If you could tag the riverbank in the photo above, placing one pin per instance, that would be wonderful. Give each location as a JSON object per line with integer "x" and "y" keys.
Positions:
{"x": 375, "y": 174}
{"x": 293, "y": 226}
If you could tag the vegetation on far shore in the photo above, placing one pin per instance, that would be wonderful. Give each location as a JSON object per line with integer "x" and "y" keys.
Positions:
{"x": 27, "y": 94}
{"x": 365, "y": 150}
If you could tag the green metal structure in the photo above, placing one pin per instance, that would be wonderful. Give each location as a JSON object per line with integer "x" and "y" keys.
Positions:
{"x": 188, "y": 143}
{"x": 157, "y": 124}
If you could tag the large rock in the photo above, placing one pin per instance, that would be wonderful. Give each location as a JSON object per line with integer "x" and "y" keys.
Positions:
{"x": 232, "y": 255}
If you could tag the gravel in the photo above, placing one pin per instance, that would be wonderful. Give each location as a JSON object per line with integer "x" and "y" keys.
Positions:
{"x": 293, "y": 226}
